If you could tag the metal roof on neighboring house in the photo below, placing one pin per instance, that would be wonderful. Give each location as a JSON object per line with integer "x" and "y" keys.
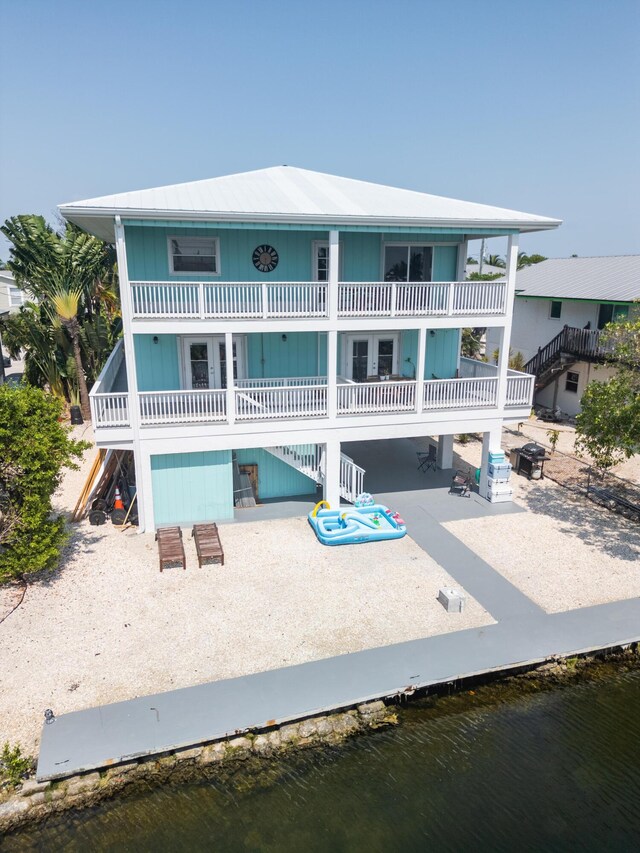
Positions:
{"x": 614, "y": 278}
{"x": 487, "y": 269}
{"x": 285, "y": 194}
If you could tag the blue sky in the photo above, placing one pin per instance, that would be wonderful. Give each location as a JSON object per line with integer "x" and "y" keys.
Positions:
{"x": 529, "y": 104}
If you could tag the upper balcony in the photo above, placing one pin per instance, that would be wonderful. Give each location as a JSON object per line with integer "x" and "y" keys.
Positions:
{"x": 204, "y": 300}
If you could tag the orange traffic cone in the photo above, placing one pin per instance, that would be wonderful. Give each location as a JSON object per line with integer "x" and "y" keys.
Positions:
{"x": 117, "y": 504}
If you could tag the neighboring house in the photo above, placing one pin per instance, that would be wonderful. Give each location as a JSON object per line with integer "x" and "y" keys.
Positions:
{"x": 273, "y": 315}
{"x": 487, "y": 269}
{"x": 11, "y": 296}
{"x": 561, "y": 306}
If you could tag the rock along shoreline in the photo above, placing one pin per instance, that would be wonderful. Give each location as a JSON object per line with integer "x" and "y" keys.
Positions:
{"x": 33, "y": 802}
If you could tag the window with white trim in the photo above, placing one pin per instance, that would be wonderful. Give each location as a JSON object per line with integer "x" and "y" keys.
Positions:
{"x": 555, "y": 311}
{"x": 321, "y": 260}
{"x": 194, "y": 256}
{"x": 410, "y": 262}
{"x": 16, "y": 296}
{"x": 572, "y": 382}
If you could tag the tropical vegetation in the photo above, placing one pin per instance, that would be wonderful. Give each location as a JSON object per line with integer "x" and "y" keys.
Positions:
{"x": 72, "y": 321}
{"x": 608, "y": 426}
{"x": 34, "y": 449}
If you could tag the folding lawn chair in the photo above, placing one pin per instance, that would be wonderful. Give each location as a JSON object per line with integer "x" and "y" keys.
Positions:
{"x": 427, "y": 460}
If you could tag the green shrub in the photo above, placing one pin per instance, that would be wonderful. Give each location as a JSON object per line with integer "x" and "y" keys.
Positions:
{"x": 14, "y": 764}
{"x": 34, "y": 449}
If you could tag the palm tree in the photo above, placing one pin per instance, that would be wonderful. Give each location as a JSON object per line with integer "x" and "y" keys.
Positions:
{"x": 495, "y": 261}
{"x": 66, "y": 302}
{"x": 73, "y": 277}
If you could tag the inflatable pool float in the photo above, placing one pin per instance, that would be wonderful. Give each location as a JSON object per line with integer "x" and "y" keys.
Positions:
{"x": 351, "y": 525}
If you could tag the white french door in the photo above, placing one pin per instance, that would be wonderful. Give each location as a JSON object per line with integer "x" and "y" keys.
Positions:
{"x": 204, "y": 361}
{"x": 371, "y": 355}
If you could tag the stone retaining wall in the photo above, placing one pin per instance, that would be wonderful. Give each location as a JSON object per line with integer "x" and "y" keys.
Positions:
{"x": 34, "y": 801}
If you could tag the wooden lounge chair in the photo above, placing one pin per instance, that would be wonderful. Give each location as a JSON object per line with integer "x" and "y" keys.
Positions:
{"x": 208, "y": 545}
{"x": 170, "y": 547}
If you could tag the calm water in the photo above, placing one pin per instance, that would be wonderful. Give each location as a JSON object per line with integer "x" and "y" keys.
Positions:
{"x": 493, "y": 770}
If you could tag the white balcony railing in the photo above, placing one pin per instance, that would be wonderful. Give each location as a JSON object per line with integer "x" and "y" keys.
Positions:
{"x": 460, "y": 393}
{"x": 249, "y": 300}
{"x": 520, "y": 388}
{"x": 232, "y": 300}
{"x": 307, "y": 397}
{"x": 182, "y": 407}
{"x": 109, "y": 410}
{"x": 277, "y": 402}
{"x": 373, "y": 397}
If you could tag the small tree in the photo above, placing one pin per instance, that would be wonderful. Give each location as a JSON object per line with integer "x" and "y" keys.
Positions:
{"x": 34, "y": 450}
{"x": 608, "y": 427}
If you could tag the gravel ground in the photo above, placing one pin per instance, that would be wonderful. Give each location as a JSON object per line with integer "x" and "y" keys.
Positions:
{"x": 108, "y": 626}
{"x": 565, "y": 553}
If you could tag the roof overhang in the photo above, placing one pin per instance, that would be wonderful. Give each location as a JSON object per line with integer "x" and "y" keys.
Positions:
{"x": 100, "y": 221}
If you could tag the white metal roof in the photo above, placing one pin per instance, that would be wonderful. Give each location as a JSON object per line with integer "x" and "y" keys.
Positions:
{"x": 613, "y": 278}
{"x": 283, "y": 194}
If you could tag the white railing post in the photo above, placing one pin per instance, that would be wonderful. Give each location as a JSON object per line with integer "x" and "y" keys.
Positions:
{"x": 332, "y": 373}
{"x": 231, "y": 391}
{"x": 201, "y": 299}
{"x": 393, "y": 298}
{"x": 265, "y": 300}
{"x": 450, "y": 296}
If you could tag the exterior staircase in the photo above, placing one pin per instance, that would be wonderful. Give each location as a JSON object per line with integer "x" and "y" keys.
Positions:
{"x": 309, "y": 460}
{"x": 562, "y": 352}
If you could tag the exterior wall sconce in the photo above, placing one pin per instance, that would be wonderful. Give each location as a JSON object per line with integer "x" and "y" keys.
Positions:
{"x": 432, "y": 333}
{"x": 155, "y": 339}
{"x": 284, "y": 339}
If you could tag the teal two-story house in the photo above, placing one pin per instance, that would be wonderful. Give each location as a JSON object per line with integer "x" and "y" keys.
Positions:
{"x": 271, "y": 316}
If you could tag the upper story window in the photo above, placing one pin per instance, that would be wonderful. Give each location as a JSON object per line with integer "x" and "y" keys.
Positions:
{"x": 612, "y": 314}
{"x": 321, "y": 260}
{"x": 194, "y": 255}
{"x": 408, "y": 262}
{"x": 555, "y": 312}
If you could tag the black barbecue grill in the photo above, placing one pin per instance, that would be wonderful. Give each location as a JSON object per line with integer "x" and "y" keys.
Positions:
{"x": 529, "y": 459}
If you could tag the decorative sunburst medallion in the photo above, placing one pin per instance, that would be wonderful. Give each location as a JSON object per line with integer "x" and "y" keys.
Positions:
{"x": 265, "y": 258}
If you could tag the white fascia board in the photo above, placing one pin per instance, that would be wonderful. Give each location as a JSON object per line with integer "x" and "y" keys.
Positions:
{"x": 75, "y": 213}
{"x": 281, "y": 326}
{"x": 167, "y": 442}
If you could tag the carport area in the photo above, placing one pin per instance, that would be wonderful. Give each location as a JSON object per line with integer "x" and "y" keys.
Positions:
{"x": 393, "y": 478}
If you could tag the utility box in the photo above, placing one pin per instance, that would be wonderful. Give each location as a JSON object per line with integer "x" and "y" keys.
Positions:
{"x": 451, "y": 599}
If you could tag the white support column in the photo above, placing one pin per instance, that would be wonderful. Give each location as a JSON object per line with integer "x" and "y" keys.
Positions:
{"x": 422, "y": 351}
{"x": 444, "y": 456}
{"x": 132, "y": 378}
{"x": 231, "y": 391}
{"x": 332, "y": 373}
{"x": 332, "y": 473}
{"x": 490, "y": 442}
{"x": 505, "y": 331}
{"x": 145, "y": 489}
{"x": 463, "y": 253}
{"x": 334, "y": 273}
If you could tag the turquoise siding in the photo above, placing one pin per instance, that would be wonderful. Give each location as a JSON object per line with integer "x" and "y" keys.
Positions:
{"x": 157, "y": 365}
{"x": 192, "y": 487}
{"x": 276, "y": 479}
{"x": 445, "y": 263}
{"x": 441, "y": 358}
{"x": 148, "y": 260}
{"x": 147, "y": 254}
{"x": 269, "y": 356}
